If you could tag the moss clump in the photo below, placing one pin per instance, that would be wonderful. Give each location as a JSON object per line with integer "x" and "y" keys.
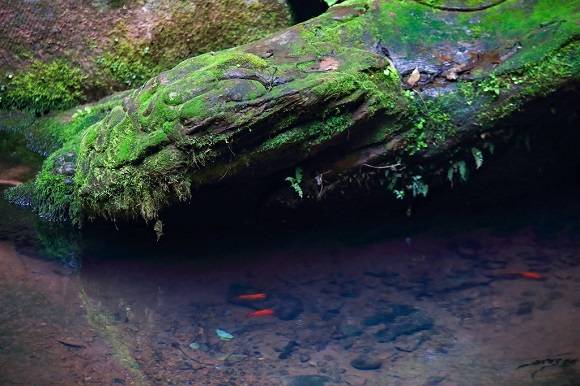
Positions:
{"x": 429, "y": 123}
{"x": 43, "y": 87}
{"x": 128, "y": 63}
{"x": 530, "y": 81}
{"x": 54, "y": 195}
{"x": 49, "y": 133}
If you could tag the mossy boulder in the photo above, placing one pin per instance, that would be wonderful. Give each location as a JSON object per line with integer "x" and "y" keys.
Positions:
{"x": 55, "y": 54}
{"x": 388, "y": 94}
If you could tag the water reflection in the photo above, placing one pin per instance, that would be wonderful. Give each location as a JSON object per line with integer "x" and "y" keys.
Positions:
{"x": 454, "y": 301}
{"x": 477, "y": 307}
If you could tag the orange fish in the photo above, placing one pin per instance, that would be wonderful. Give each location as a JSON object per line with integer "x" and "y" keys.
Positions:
{"x": 532, "y": 275}
{"x": 252, "y": 297}
{"x": 259, "y": 313}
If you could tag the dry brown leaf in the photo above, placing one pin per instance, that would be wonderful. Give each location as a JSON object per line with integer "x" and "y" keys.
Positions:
{"x": 451, "y": 75}
{"x": 414, "y": 78}
{"x": 329, "y": 64}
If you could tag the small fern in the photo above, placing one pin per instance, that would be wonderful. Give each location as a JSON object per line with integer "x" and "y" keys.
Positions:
{"x": 458, "y": 168}
{"x": 418, "y": 187}
{"x": 296, "y": 181}
{"x": 477, "y": 156}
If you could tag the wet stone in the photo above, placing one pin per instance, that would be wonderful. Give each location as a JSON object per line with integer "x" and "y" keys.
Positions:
{"x": 348, "y": 328}
{"x": 366, "y": 363}
{"x": 234, "y": 358}
{"x": 405, "y": 325}
{"x": 329, "y": 315}
{"x": 347, "y": 343}
{"x": 529, "y": 294}
{"x": 467, "y": 249}
{"x": 568, "y": 261}
{"x": 331, "y": 308}
{"x": 525, "y": 308}
{"x": 289, "y": 307}
{"x": 494, "y": 315}
{"x": 288, "y": 350}
{"x": 354, "y": 380}
{"x": 555, "y": 295}
{"x": 435, "y": 381}
{"x": 459, "y": 281}
{"x": 309, "y": 380}
{"x": 65, "y": 164}
{"x": 395, "y": 280}
{"x": 410, "y": 343}
{"x": 304, "y": 358}
{"x": 493, "y": 264}
{"x": 389, "y": 314}
{"x": 349, "y": 290}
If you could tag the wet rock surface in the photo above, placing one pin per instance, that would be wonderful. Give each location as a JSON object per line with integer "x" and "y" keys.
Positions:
{"x": 66, "y": 165}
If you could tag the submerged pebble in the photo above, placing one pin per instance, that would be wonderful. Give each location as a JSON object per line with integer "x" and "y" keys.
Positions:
{"x": 309, "y": 380}
{"x": 223, "y": 335}
{"x": 366, "y": 363}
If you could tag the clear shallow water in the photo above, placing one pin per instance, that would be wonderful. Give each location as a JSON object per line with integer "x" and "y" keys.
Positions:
{"x": 456, "y": 301}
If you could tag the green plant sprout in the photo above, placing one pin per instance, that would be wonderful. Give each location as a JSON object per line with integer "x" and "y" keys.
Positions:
{"x": 296, "y": 181}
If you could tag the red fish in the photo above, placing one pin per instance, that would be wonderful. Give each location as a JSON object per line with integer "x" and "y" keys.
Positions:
{"x": 252, "y": 297}
{"x": 532, "y": 275}
{"x": 260, "y": 313}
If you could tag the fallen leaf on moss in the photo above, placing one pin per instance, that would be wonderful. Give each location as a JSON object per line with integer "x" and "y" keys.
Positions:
{"x": 329, "y": 64}
{"x": 414, "y": 78}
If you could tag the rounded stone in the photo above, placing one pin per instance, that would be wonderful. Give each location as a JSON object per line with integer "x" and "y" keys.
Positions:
{"x": 365, "y": 362}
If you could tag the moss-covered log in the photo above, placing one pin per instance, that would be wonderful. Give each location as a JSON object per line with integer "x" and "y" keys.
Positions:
{"x": 394, "y": 93}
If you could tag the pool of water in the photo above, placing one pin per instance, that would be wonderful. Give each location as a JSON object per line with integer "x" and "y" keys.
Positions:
{"x": 459, "y": 300}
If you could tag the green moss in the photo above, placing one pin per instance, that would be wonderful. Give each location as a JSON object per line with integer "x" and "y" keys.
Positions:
{"x": 541, "y": 27}
{"x": 134, "y": 191}
{"x": 128, "y": 63}
{"x": 189, "y": 126}
{"x": 43, "y": 87}
{"x": 530, "y": 81}
{"x": 311, "y": 134}
{"x": 196, "y": 107}
{"x": 428, "y": 123}
{"x": 50, "y": 132}
{"x": 54, "y": 194}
